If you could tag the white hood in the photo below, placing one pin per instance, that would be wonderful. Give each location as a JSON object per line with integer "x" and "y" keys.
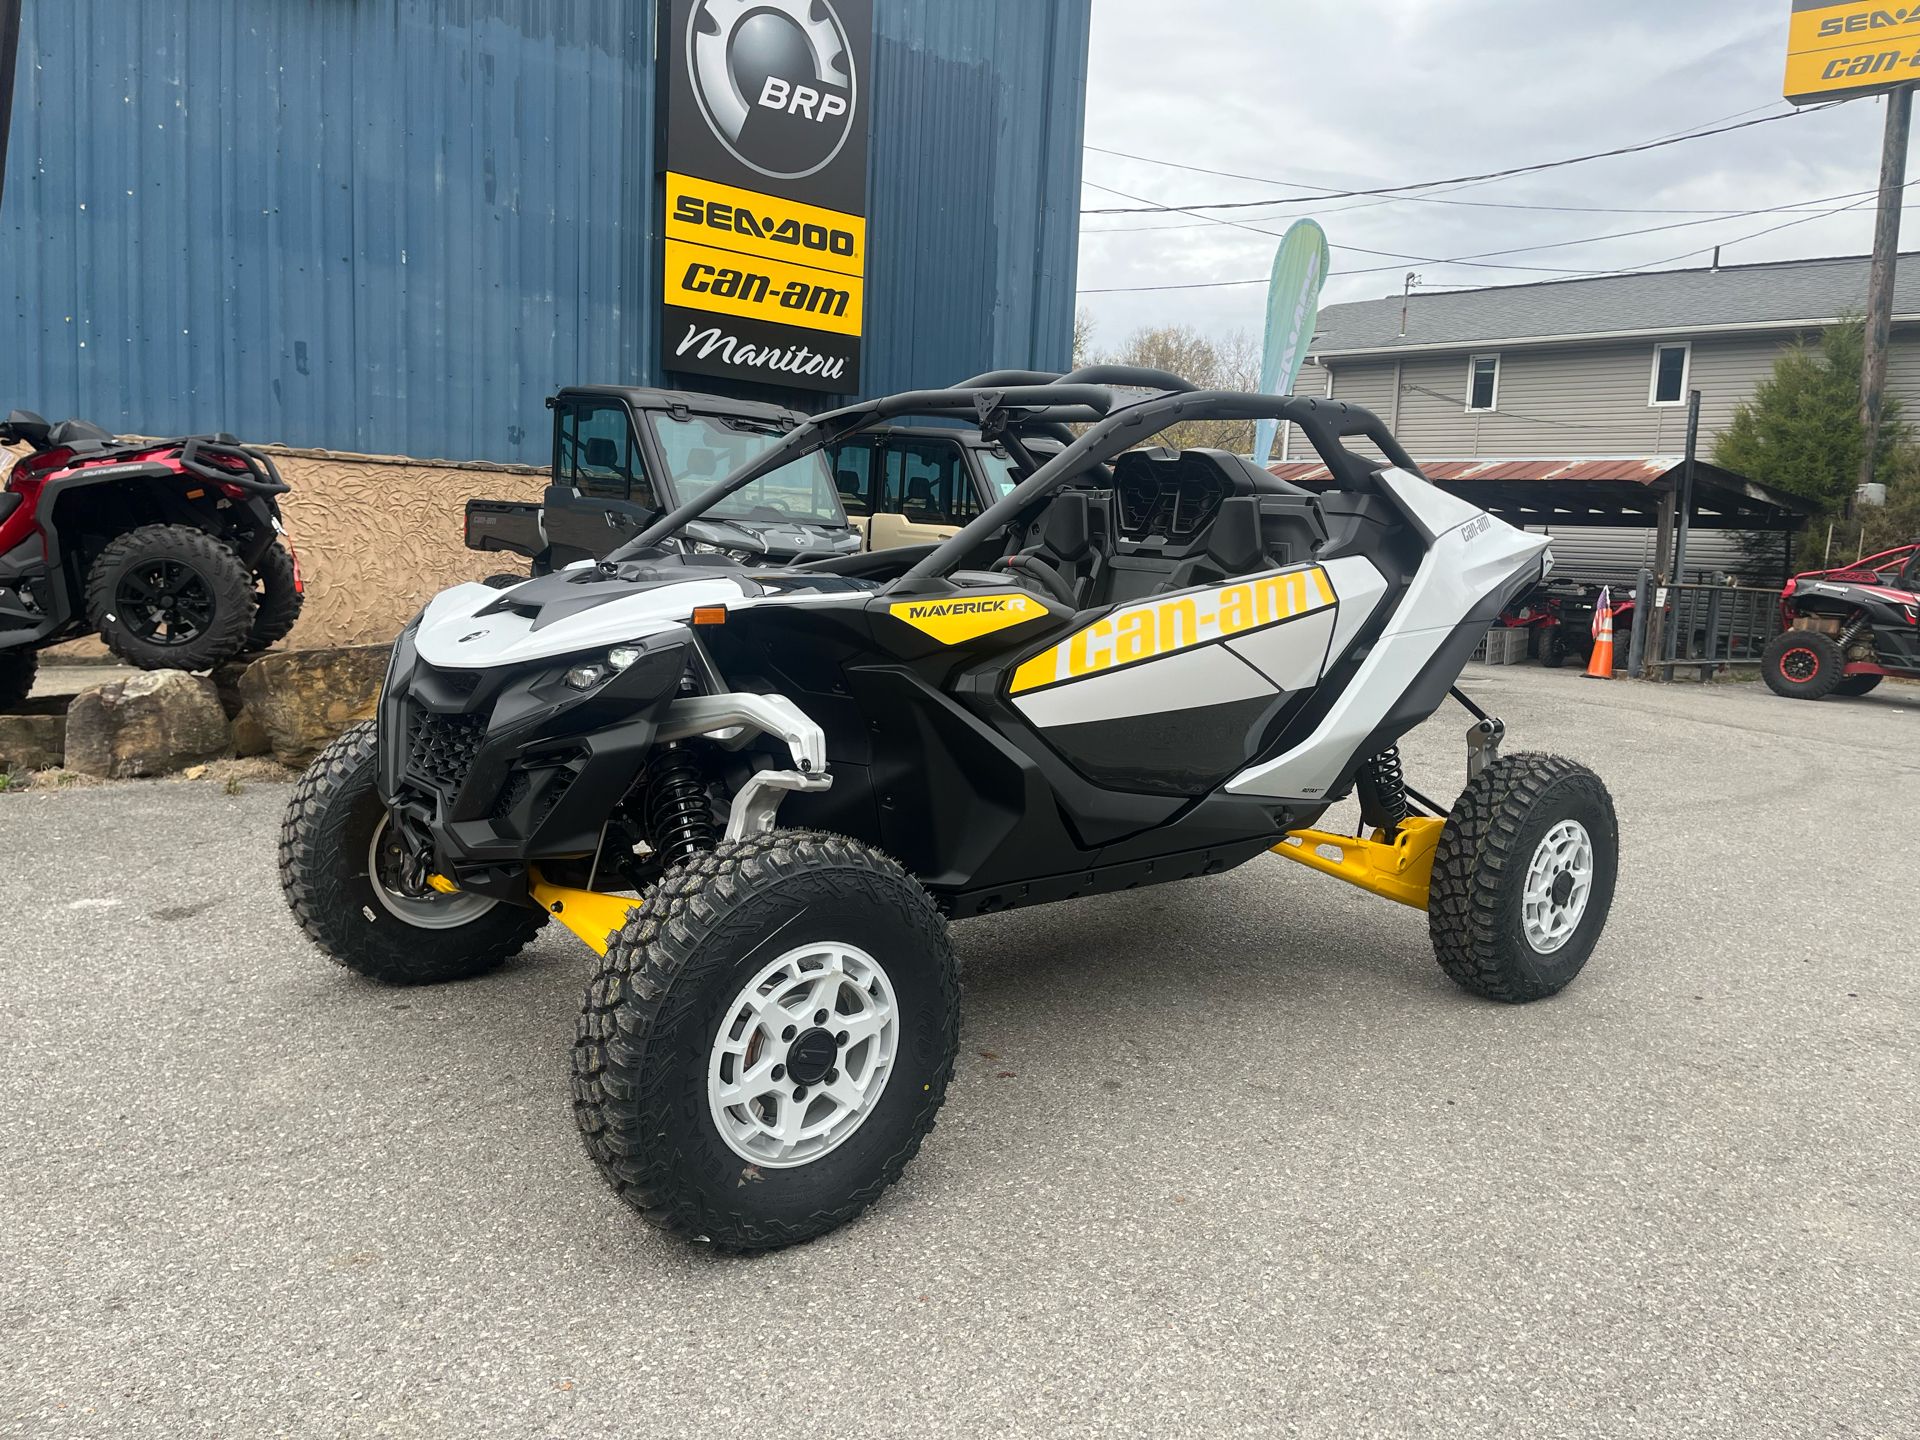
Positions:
{"x": 454, "y": 635}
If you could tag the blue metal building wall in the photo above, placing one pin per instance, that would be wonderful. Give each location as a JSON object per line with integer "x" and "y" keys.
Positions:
{"x": 395, "y": 226}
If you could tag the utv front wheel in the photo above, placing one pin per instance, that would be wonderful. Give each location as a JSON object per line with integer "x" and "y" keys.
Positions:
{"x": 338, "y": 873}
{"x": 169, "y": 597}
{"x": 768, "y": 1040}
{"x": 1802, "y": 665}
{"x": 1523, "y": 878}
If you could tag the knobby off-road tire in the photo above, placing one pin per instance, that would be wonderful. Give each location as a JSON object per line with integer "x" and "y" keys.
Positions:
{"x": 17, "y": 669}
{"x": 1853, "y": 686}
{"x": 1802, "y": 665}
{"x": 682, "y": 983}
{"x": 277, "y": 598}
{"x": 326, "y": 872}
{"x": 1511, "y": 826}
{"x": 215, "y": 576}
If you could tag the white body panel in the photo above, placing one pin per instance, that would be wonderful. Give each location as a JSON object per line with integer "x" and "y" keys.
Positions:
{"x": 1472, "y": 557}
{"x": 1188, "y": 680}
{"x": 454, "y": 635}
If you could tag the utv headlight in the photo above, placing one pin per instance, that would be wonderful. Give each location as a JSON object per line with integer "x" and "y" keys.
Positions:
{"x": 622, "y": 656}
{"x": 586, "y": 677}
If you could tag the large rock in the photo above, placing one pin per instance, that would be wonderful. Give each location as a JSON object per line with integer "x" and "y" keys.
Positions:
{"x": 152, "y": 724}
{"x": 303, "y": 698}
{"x": 34, "y": 736}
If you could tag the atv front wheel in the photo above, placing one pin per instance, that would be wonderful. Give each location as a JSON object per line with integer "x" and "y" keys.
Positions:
{"x": 277, "y": 598}
{"x": 1803, "y": 665}
{"x": 1523, "y": 878}
{"x": 768, "y": 1040}
{"x": 169, "y": 597}
{"x": 338, "y": 873}
{"x": 17, "y": 668}
{"x": 1855, "y": 685}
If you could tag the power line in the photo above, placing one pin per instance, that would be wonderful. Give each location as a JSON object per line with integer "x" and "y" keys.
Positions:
{"x": 1151, "y": 208}
{"x": 1324, "y": 192}
{"x": 1356, "y": 249}
{"x": 1470, "y": 260}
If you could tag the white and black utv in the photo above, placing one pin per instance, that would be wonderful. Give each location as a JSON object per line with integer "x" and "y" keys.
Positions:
{"x": 761, "y": 793}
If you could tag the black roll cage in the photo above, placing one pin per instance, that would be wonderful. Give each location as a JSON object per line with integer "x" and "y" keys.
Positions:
{"x": 1006, "y": 404}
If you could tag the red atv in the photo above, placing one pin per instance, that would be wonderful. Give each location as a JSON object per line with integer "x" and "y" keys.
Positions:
{"x": 171, "y": 550}
{"x": 1558, "y": 616}
{"x": 1848, "y": 629}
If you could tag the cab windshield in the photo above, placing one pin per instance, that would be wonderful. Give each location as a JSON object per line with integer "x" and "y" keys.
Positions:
{"x": 999, "y": 471}
{"x": 702, "y": 450}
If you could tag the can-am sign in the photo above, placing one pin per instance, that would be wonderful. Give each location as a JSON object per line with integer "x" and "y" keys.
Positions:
{"x": 1838, "y": 48}
{"x": 766, "y": 190}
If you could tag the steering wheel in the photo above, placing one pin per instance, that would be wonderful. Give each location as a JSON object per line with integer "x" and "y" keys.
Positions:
{"x": 1033, "y": 573}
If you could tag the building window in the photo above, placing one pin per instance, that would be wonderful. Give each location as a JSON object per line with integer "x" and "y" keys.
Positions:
{"x": 1670, "y": 366}
{"x": 1483, "y": 383}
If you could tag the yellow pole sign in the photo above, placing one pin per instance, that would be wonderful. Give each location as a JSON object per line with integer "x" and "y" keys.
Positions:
{"x": 1841, "y": 48}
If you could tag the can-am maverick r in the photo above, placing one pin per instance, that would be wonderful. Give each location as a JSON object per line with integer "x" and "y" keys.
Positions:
{"x": 1167, "y": 665}
{"x": 171, "y": 550}
{"x": 1848, "y": 629}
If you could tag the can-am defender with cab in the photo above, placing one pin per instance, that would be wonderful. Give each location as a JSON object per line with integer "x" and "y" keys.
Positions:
{"x": 1138, "y": 666}
{"x": 172, "y": 550}
{"x": 624, "y": 455}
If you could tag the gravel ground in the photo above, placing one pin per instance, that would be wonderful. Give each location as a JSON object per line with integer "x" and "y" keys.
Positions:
{"x": 1227, "y": 1157}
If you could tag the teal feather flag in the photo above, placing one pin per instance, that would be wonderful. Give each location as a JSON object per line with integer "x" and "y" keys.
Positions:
{"x": 1293, "y": 305}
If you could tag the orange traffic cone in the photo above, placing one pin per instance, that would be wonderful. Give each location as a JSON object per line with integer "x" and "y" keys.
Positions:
{"x": 1600, "y": 666}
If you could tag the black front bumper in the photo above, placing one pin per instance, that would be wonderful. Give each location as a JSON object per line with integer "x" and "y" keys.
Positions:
{"x": 512, "y": 765}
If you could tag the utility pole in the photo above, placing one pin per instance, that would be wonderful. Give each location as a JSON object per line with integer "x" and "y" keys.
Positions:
{"x": 1886, "y": 253}
{"x": 9, "y": 55}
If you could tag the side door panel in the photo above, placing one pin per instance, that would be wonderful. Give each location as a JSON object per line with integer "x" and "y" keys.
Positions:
{"x": 601, "y": 494}
{"x": 927, "y": 493}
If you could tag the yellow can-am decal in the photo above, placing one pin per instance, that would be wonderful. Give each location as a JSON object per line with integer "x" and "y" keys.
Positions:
{"x": 953, "y": 622}
{"x": 1179, "y": 622}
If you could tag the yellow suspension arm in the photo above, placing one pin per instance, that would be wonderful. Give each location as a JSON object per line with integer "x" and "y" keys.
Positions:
{"x": 592, "y": 916}
{"x": 1400, "y": 869}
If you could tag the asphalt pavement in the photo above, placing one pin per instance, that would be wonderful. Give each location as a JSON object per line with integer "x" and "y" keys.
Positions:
{"x": 1228, "y": 1157}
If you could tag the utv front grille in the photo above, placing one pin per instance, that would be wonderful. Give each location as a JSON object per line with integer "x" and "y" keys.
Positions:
{"x": 440, "y": 748}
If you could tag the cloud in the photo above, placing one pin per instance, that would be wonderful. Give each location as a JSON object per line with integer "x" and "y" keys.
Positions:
{"x": 1341, "y": 95}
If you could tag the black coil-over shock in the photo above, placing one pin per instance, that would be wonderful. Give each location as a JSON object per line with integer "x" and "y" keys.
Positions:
{"x": 678, "y": 813}
{"x": 1383, "y": 791}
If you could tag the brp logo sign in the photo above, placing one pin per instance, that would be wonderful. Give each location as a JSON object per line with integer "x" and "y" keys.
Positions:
{"x": 775, "y": 82}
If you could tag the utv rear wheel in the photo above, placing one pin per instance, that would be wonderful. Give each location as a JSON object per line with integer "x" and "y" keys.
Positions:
{"x": 277, "y": 598}
{"x": 768, "y": 1040}
{"x": 1553, "y": 649}
{"x": 337, "y": 873}
{"x": 1854, "y": 685}
{"x": 1523, "y": 878}
{"x": 169, "y": 597}
{"x": 17, "y": 668}
{"x": 1802, "y": 665}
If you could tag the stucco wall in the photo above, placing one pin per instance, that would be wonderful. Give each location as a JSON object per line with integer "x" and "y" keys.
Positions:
{"x": 377, "y": 537}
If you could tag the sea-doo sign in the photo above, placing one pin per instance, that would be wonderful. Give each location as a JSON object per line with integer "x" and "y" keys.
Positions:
{"x": 1841, "y": 48}
{"x": 766, "y": 189}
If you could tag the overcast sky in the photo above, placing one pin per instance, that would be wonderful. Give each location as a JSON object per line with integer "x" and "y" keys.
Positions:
{"x": 1364, "y": 93}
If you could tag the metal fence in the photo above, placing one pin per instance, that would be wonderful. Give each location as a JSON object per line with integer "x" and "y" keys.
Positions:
{"x": 1699, "y": 627}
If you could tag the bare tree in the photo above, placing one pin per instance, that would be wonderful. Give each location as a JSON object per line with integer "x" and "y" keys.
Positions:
{"x": 1231, "y": 362}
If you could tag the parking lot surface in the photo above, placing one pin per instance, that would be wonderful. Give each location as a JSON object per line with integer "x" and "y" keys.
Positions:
{"x": 1225, "y": 1157}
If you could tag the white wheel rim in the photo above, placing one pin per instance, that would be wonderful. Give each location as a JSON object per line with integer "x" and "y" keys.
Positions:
{"x": 423, "y": 912}
{"x": 1559, "y": 882}
{"x": 785, "y": 1087}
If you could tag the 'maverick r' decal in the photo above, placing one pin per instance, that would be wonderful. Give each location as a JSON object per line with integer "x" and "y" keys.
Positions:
{"x": 1152, "y": 628}
{"x": 953, "y": 622}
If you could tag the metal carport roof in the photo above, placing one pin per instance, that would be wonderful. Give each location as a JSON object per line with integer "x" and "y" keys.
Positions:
{"x": 1629, "y": 491}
